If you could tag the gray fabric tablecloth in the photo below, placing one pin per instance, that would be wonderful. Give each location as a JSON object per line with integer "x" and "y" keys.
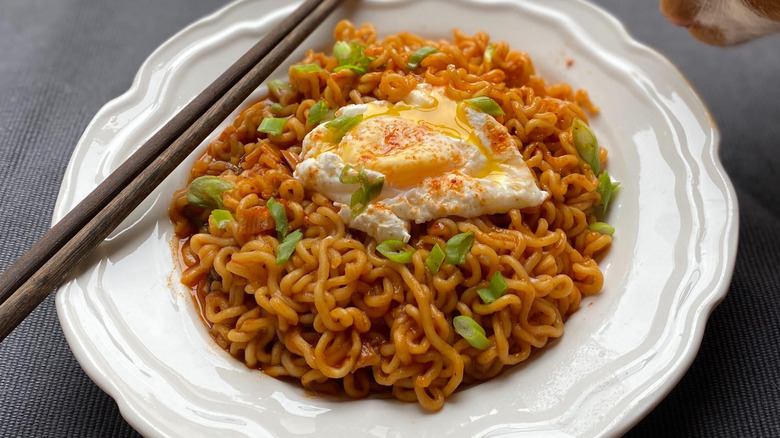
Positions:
{"x": 60, "y": 61}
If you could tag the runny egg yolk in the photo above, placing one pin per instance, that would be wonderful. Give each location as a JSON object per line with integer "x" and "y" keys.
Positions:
{"x": 405, "y": 143}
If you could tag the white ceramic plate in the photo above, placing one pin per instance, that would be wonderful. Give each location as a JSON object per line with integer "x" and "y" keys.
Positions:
{"x": 136, "y": 333}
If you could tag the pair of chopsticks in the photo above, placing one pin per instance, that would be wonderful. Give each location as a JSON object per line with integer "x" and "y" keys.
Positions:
{"x": 47, "y": 264}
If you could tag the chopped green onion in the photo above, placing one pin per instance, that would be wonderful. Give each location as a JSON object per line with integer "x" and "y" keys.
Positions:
{"x": 355, "y": 68}
{"x": 602, "y": 227}
{"x": 362, "y": 196}
{"x": 486, "y": 105}
{"x": 221, "y": 218}
{"x": 435, "y": 258}
{"x": 318, "y": 112}
{"x": 457, "y": 247}
{"x": 280, "y": 217}
{"x": 276, "y": 107}
{"x": 346, "y": 178}
{"x": 276, "y": 87}
{"x": 349, "y": 53}
{"x": 306, "y": 68}
{"x": 341, "y": 124}
{"x": 586, "y": 144}
{"x": 392, "y": 250}
{"x": 497, "y": 288}
{"x": 605, "y": 189}
{"x": 419, "y": 55}
{"x": 287, "y": 247}
{"x": 342, "y": 50}
{"x": 350, "y": 56}
{"x": 206, "y": 192}
{"x": 489, "y": 52}
{"x": 472, "y": 332}
{"x": 369, "y": 189}
{"x": 272, "y": 125}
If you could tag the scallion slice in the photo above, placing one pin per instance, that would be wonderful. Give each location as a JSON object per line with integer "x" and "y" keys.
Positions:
{"x": 347, "y": 177}
{"x": 221, "y": 218}
{"x": 419, "y": 55}
{"x": 280, "y": 217}
{"x": 306, "y": 68}
{"x": 272, "y": 125}
{"x": 497, "y": 288}
{"x": 457, "y": 247}
{"x": 602, "y": 227}
{"x": 206, "y": 192}
{"x": 342, "y": 50}
{"x": 318, "y": 112}
{"x": 435, "y": 258}
{"x": 355, "y": 68}
{"x": 587, "y": 145}
{"x": 276, "y": 107}
{"x": 486, "y": 105}
{"x": 605, "y": 189}
{"x": 285, "y": 249}
{"x": 472, "y": 332}
{"x": 341, "y": 124}
{"x": 276, "y": 87}
{"x": 489, "y": 52}
{"x": 392, "y": 249}
{"x": 350, "y": 56}
{"x": 369, "y": 189}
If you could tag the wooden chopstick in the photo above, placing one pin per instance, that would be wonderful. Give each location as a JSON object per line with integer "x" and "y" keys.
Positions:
{"x": 59, "y": 251}
{"x": 77, "y": 218}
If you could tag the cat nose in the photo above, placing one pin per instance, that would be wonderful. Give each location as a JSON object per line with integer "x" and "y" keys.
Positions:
{"x": 680, "y": 12}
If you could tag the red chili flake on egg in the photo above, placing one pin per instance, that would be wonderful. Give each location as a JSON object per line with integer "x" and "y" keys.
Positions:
{"x": 498, "y": 137}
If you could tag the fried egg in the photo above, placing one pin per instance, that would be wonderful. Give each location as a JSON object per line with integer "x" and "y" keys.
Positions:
{"x": 439, "y": 157}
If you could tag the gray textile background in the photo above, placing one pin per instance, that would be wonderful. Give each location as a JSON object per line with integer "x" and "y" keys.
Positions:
{"x": 60, "y": 61}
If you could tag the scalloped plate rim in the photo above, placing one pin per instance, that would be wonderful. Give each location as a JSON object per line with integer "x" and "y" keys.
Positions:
{"x": 134, "y": 415}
